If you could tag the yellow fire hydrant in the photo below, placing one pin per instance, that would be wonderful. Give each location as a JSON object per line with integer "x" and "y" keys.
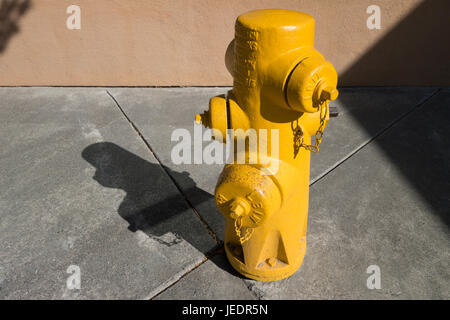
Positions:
{"x": 282, "y": 85}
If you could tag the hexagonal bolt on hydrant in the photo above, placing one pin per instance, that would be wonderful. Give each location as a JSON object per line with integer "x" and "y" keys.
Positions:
{"x": 281, "y": 84}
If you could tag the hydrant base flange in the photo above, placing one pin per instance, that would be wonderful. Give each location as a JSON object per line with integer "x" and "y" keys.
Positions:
{"x": 271, "y": 273}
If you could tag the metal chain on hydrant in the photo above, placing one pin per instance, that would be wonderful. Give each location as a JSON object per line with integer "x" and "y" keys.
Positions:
{"x": 238, "y": 227}
{"x": 298, "y": 135}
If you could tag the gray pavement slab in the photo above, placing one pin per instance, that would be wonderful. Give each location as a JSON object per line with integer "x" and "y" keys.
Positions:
{"x": 214, "y": 279}
{"x": 157, "y": 112}
{"x": 387, "y": 205}
{"x": 78, "y": 187}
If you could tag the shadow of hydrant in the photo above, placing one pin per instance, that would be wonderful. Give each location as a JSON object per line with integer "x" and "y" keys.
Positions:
{"x": 145, "y": 184}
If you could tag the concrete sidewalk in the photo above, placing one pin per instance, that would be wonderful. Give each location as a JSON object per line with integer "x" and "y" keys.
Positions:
{"x": 87, "y": 184}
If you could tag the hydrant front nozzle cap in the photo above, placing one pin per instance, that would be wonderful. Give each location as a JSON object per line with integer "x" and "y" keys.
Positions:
{"x": 198, "y": 118}
{"x": 238, "y": 208}
{"x": 236, "y": 212}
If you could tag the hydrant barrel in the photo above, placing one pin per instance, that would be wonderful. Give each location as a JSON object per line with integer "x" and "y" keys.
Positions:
{"x": 281, "y": 90}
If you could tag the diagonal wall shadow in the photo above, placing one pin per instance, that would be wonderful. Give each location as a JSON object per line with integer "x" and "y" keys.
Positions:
{"x": 10, "y": 13}
{"x": 421, "y": 148}
{"x": 415, "y": 51}
{"x": 417, "y": 144}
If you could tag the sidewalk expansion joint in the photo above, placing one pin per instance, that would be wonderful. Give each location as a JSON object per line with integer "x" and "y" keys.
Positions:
{"x": 174, "y": 280}
{"x": 180, "y": 190}
{"x": 218, "y": 249}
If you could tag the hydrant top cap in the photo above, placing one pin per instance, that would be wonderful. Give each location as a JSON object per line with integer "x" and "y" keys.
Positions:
{"x": 275, "y": 18}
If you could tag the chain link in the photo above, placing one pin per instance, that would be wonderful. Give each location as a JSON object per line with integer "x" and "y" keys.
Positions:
{"x": 238, "y": 228}
{"x": 298, "y": 133}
